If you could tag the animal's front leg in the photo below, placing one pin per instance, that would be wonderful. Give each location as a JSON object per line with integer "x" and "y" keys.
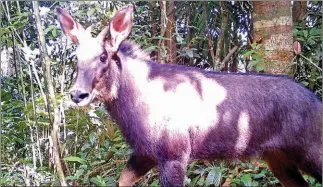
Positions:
{"x": 172, "y": 173}
{"x": 137, "y": 166}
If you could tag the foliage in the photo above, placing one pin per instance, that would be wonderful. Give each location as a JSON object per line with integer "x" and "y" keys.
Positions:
{"x": 308, "y": 63}
{"x": 257, "y": 57}
{"x": 102, "y": 155}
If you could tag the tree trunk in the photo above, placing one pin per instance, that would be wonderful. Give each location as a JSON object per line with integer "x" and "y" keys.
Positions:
{"x": 226, "y": 46}
{"x": 50, "y": 87}
{"x": 299, "y": 10}
{"x": 152, "y": 18}
{"x": 273, "y": 25}
{"x": 209, "y": 39}
{"x": 163, "y": 26}
{"x": 217, "y": 66}
{"x": 170, "y": 43}
{"x": 234, "y": 65}
{"x": 152, "y": 5}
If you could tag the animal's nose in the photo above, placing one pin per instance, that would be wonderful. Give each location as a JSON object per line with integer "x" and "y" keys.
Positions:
{"x": 77, "y": 96}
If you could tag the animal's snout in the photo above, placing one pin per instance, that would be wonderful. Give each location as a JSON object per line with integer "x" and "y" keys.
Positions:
{"x": 78, "y": 95}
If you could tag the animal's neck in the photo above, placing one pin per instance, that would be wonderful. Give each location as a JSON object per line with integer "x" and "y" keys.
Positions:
{"x": 127, "y": 109}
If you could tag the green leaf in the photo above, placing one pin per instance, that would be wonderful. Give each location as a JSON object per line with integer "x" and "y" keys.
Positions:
{"x": 49, "y": 28}
{"x": 311, "y": 41}
{"x": 187, "y": 181}
{"x": 201, "y": 181}
{"x": 85, "y": 146}
{"x": 260, "y": 67}
{"x": 189, "y": 53}
{"x": 214, "y": 176}
{"x": 90, "y": 12}
{"x": 258, "y": 46}
{"x": 71, "y": 178}
{"x": 98, "y": 180}
{"x": 246, "y": 180}
{"x": 78, "y": 173}
{"x": 252, "y": 63}
{"x": 98, "y": 155}
{"x": 84, "y": 166}
{"x": 315, "y": 31}
{"x": 299, "y": 33}
{"x": 107, "y": 143}
{"x": 151, "y": 48}
{"x": 194, "y": 181}
{"x": 54, "y": 32}
{"x": 4, "y": 179}
{"x": 117, "y": 139}
{"x": 257, "y": 57}
{"x": 160, "y": 38}
{"x": 253, "y": 45}
{"x": 259, "y": 175}
{"x": 247, "y": 54}
{"x": 95, "y": 163}
{"x": 155, "y": 183}
{"x": 75, "y": 159}
{"x": 305, "y": 32}
{"x": 305, "y": 83}
{"x": 109, "y": 181}
{"x": 92, "y": 138}
{"x": 300, "y": 39}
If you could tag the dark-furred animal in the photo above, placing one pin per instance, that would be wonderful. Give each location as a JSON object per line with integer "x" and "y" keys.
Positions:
{"x": 171, "y": 114}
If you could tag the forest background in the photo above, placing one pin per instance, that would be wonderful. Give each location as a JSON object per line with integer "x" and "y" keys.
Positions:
{"x": 45, "y": 140}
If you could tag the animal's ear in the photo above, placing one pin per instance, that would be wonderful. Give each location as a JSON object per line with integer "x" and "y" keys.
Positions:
{"x": 103, "y": 34}
{"x": 70, "y": 27}
{"x": 120, "y": 26}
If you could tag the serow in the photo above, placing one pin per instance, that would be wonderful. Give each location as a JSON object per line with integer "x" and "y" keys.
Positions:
{"x": 171, "y": 115}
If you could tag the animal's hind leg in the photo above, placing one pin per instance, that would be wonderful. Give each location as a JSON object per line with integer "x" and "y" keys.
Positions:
{"x": 172, "y": 173}
{"x": 137, "y": 166}
{"x": 284, "y": 169}
{"x": 312, "y": 164}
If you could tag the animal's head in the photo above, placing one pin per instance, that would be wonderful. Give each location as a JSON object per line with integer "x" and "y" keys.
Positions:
{"x": 96, "y": 55}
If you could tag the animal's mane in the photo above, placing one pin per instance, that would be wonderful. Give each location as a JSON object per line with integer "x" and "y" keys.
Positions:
{"x": 133, "y": 50}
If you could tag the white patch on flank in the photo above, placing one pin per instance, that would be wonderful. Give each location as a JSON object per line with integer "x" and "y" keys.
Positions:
{"x": 244, "y": 132}
{"x": 180, "y": 108}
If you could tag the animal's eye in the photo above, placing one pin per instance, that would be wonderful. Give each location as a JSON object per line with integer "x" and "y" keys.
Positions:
{"x": 103, "y": 57}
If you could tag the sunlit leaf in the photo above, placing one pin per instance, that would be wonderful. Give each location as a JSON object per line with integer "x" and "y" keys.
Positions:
{"x": 246, "y": 180}
{"x": 214, "y": 176}
{"x": 74, "y": 159}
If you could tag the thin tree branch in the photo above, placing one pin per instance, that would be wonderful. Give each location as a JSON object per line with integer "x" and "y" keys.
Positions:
{"x": 14, "y": 57}
{"x": 231, "y": 52}
{"x": 163, "y": 23}
{"x": 50, "y": 87}
{"x": 0, "y": 100}
{"x": 311, "y": 62}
